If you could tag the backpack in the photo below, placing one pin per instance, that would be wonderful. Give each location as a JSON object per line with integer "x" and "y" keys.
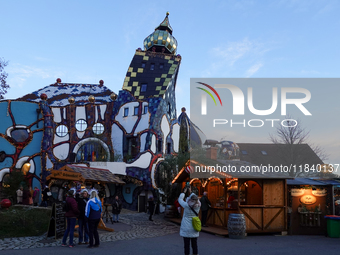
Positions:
{"x": 196, "y": 222}
{"x": 66, "y": 206}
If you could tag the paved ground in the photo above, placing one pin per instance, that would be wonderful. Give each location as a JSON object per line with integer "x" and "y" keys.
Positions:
{"x": 137, "y": 235}
{"x": 131, "y": 226}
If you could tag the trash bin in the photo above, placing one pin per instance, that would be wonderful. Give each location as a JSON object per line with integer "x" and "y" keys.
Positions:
{"x": 333, "y": 226}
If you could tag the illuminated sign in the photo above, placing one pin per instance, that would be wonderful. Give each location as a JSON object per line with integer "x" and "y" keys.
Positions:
{"x": 308, "y": 200}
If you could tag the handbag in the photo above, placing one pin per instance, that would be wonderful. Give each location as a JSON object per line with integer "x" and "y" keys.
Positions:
{"x": 196, "y": 222}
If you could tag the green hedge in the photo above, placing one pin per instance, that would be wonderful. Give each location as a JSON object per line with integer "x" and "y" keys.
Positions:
{"x": 23, "y": 221}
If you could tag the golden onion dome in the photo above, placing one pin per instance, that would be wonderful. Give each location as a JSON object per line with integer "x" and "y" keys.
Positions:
{"x": 161, "y": 39}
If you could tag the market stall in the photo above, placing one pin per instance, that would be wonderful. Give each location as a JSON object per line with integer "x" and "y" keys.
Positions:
{"x": 80, "y": 176}
{"x": 309, "y": 201}
{"x": 260, "y": 197}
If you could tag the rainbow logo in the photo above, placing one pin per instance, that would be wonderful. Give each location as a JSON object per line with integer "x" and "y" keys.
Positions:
{"x": 209, "y": 93}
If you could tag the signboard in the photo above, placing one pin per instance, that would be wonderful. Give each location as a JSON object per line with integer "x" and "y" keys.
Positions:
{"x": 214, "y": 183}
{"x": 297, "y": 192}
{"x": 57, "y": 224}
{"x": 308, "y": 200}
{"x": 319, "y": 193}
{"x": 72, "y": 176}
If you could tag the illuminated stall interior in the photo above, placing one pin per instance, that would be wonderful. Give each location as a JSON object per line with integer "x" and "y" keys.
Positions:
{"x": 262, "y": 199}
{"x": 309, "y": 201}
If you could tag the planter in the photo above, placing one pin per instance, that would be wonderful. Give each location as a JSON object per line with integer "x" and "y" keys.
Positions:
{"x": 6, "y": 203}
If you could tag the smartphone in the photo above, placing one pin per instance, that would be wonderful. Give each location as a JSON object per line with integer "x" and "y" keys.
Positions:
{"x": 188, "y": 184}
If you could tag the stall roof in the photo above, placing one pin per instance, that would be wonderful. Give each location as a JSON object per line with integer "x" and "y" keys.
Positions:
{"x": 331, "y": 182}
{"x": 305, "y": 181}
{"x": 93, "y": 174}
{"x": 238, "y": 173}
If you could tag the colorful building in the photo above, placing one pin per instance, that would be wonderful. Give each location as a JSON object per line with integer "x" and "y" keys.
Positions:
{"x": 129, "y": 133}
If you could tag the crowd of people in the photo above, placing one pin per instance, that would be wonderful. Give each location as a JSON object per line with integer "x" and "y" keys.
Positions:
{"x": 88, "y": 212}
{"x": 28, "y": 196}
{"x": 86, "y": 207}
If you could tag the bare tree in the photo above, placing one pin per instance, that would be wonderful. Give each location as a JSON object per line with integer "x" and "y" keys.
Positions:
{"x": 3, "y": 76}
{"x": 294, "y": 146}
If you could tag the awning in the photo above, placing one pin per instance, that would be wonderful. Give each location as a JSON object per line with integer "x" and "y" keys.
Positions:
{"x": 83, "y": 173}
{"x": 305, "y": 181}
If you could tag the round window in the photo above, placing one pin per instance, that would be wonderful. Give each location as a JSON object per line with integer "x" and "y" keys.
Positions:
{"x": 62, "y": 131}
{"x": 98, "y": 128}
{"x": 81, "y": 125}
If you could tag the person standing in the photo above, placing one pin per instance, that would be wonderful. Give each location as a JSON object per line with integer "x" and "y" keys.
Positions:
{"x": 31, "y": 195}
{"x": 116, "y": 208}
{"x": 20, "y": 193}
{"x": 187, "y": 230}
{"x": 71, "y": 217}
{"x": 83, "y": 225}
{"x": 151, "y": 207}
{"x": 93, "y": 212}
{"x": 205, "y": 205}
{"x": 45, "y": 197}
{"x": 26, "y": 194}
{"x": 36, "y": 195}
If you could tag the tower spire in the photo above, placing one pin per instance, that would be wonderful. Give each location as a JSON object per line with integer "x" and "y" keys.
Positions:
{"x": 161, "y": 40}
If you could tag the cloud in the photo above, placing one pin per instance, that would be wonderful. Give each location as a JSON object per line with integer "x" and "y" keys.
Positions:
{"x": 247, "y": 56}
{"x": 253, "y": 69}
{"x": 23, "y": 71}
{"x": 233, "y": 51}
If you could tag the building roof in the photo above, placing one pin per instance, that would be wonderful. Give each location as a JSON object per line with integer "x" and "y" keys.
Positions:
{"x": 253, "y": 171}
{"x": 59, "y": 93}
{"x": 277, "y": 154}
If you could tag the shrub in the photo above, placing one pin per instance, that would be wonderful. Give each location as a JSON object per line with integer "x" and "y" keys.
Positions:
{"x": 23, "y": 221}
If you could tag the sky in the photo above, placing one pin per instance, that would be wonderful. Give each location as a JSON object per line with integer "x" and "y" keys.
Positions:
{"x": 86, "y": 41}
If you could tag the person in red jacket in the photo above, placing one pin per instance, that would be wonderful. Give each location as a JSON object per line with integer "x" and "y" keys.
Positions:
{"x": 71, "y": 217}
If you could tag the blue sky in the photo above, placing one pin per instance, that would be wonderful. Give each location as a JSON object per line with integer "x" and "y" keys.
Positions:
{"x": 86, "y": 41}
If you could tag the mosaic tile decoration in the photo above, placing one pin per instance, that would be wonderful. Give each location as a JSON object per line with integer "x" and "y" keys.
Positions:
{"x": 58, "y": 94}
{"x": 154, "y": 69}
{"x": 162, "y": 38}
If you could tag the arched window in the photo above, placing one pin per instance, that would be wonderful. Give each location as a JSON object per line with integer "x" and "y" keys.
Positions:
{"x": 91, "y": 151}
{"x": 251, "y": 193}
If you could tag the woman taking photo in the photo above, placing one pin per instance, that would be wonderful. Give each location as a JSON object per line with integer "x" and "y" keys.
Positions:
{"x": 93, "y": 212}
{"x": 187, "y": 231}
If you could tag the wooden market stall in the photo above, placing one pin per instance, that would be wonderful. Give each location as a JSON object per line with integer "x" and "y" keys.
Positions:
{"x": 80, "y": 176}
{"x": 262, "y": 198}
{"x": 309, "y": 201}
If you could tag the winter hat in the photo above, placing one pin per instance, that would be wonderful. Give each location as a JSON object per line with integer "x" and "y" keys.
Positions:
{"x": 84, "y": 190}
{"x": 193, "y": 197}
{"x": 72, "y": 192}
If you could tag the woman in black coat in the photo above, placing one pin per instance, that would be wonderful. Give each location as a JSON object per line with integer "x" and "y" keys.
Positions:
{"x": 151, "y": 207}
{"x": 116, "y": 208}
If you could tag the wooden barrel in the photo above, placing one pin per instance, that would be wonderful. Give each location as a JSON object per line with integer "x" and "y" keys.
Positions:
{"x": 236, "y": 226}
{"x": 170, "y": 211}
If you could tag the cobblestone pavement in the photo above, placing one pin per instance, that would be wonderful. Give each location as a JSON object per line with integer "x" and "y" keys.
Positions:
{"x": 138, "y": 227}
